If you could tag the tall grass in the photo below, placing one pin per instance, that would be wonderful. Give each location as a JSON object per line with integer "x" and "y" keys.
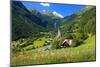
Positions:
{"x": 84, "y": 52}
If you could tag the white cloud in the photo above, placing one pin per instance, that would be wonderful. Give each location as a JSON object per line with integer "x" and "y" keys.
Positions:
{"x": 57, "y": 14}
{"x": 45, "y": 4}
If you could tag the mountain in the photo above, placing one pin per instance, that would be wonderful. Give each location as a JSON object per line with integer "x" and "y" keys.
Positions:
{"x": 28, "y": 21}
{"x": 83, "y": 21}
{"x": 22, "y": 25}
{"x": 53, "y": 14}
{"x": 57, "y": 14}
{"x": 48, "y": 19}
{"x": 88, "y": 20}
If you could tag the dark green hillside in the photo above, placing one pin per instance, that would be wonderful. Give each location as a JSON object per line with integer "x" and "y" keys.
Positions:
{"x": 67, "y": 23}
{"x": 87, "y": 21}
{"x": 27, "y": 21}
{"x": 22, "y": 26}
{"x": 83, "y": 22}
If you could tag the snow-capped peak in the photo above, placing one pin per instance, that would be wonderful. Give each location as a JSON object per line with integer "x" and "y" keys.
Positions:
{"x": 57, "y": 14}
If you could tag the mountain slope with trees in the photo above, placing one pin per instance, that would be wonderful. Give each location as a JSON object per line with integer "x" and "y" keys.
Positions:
{"x": 82, "y": 21}
{"x": 26, "y": 22}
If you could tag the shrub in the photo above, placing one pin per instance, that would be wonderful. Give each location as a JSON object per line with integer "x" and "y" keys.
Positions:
{"x": 76, "y": 36}
{"x": 78, "y": 39}
{"x": 84, "y": 36}
{"x": 76, "y": 42}
{"x": 56, "y": 44}
{"x": 16, "y": 49}
{"x": 45, "y": 44}
{"x": 40, "y": 39}
{"x": 68, "y": 36}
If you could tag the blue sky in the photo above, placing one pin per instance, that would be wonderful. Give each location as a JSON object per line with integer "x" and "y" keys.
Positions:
{"x": 63, "y": 9}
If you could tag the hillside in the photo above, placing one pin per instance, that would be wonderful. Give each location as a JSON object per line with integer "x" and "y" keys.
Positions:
{"x": 85, "y": 52}
{"x": 22, "y": 26}
{"x": 27, "y": 21}
{"x": 82, "y": 21}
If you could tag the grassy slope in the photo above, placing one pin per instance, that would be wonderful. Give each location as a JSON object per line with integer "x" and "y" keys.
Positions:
{"x": 37, "y": 43}
{"x": 85, "y": 52}
{"x": 40, "y": 43}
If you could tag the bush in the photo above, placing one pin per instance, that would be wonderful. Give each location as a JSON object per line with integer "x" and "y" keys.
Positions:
{"x": 78, "y": 39}
{"x": 84, "y": 36}
{"x": 45, "y": 44}
{"x": 76, "y": 42}
{"x": 16, "y": 49}
{"x": 68, "y": 36}
{"x": 56, "y": 44}
{"x": 80, "y": 36}
{"x": 40, "y": 39}
{"x": 76, "y": 36}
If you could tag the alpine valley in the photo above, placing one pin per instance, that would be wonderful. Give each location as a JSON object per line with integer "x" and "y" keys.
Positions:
{"x": 37, "y": 36}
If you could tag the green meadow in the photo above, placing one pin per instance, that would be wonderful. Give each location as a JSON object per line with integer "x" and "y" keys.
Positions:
{"x": 85, "y": 52}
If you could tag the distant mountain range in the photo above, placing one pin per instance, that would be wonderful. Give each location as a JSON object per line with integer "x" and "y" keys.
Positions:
{"x": 28, "y": 21}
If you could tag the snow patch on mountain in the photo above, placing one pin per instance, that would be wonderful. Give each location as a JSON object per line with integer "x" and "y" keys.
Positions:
{"x": 57, "y": 14}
